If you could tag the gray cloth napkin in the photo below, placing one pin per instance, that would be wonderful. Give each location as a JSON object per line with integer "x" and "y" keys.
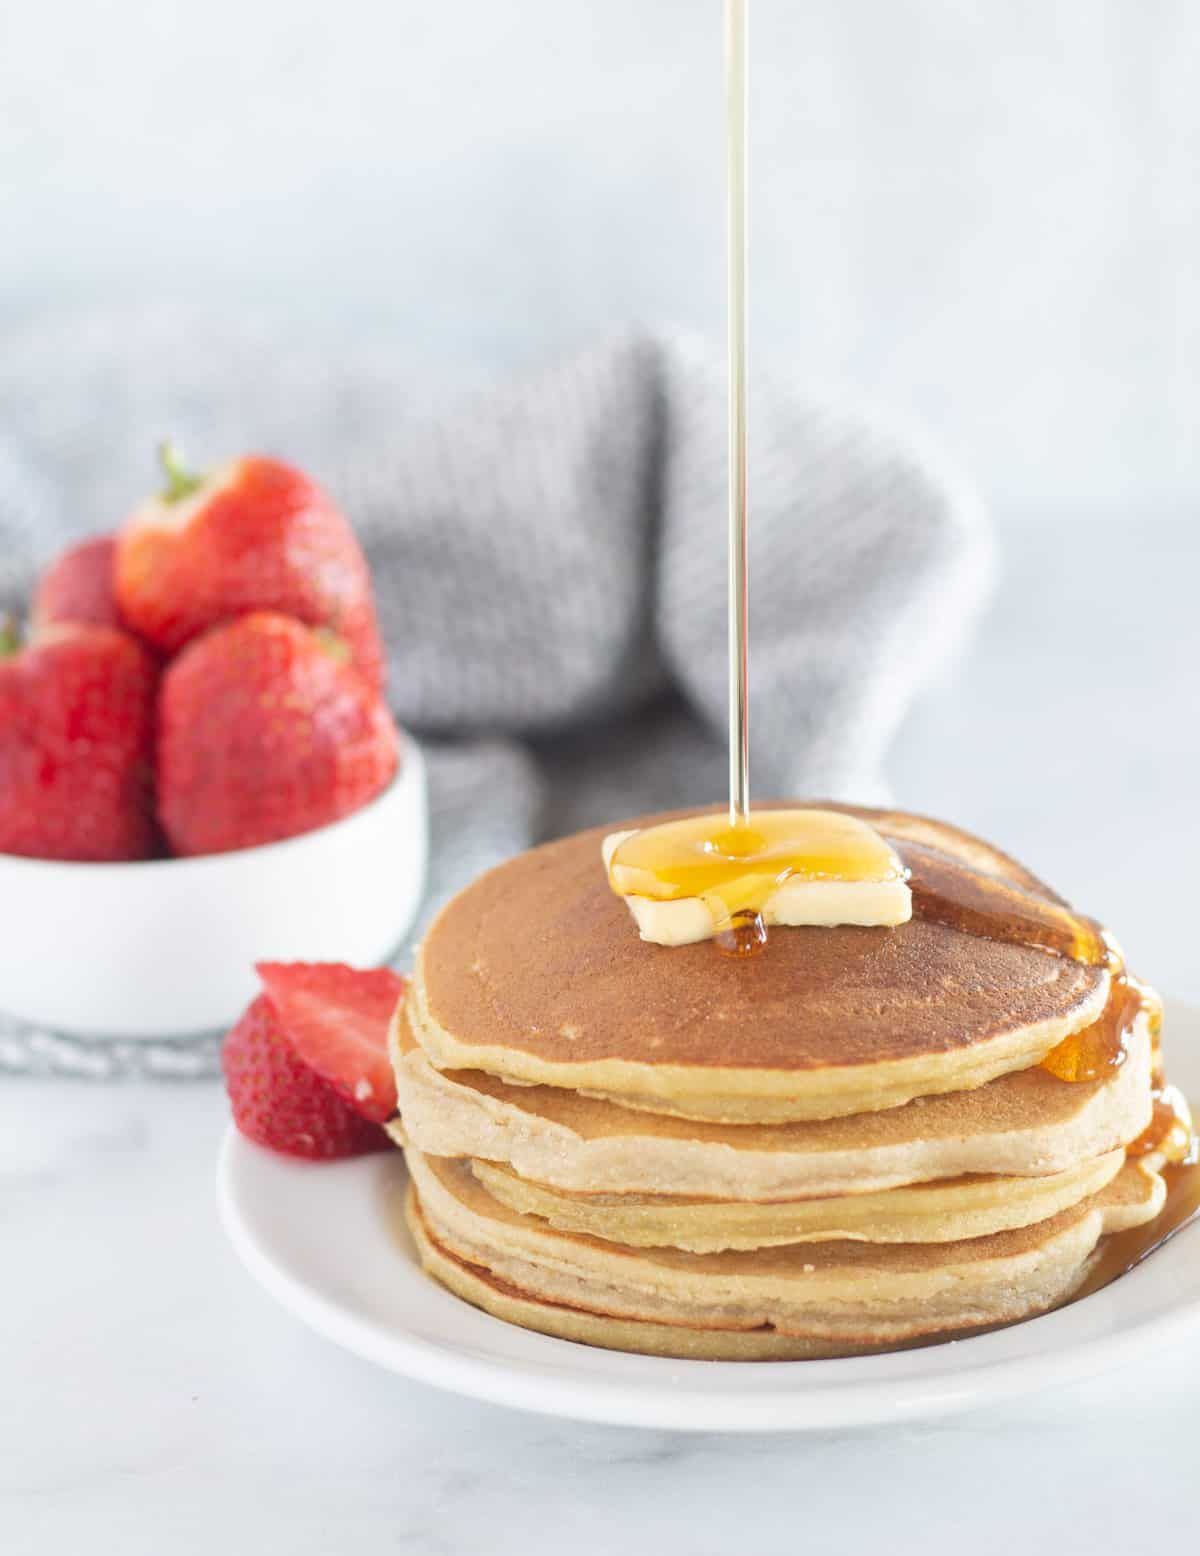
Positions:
{"x": 549, "y": 560}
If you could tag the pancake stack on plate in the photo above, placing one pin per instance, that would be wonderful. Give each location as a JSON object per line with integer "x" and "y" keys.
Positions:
{"x": 848, "y": 1143}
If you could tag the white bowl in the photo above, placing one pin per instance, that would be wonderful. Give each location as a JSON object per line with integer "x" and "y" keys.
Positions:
{"x": 166, "y": 948}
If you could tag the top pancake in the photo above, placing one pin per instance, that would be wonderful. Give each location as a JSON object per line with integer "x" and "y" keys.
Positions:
{"x": 536, "y": 973}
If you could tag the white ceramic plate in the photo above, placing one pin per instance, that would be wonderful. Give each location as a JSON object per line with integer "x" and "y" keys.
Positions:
{"x": 327, "y": 1241}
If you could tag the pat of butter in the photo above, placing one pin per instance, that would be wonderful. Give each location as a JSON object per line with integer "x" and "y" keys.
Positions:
{"x": 886, "y": 901}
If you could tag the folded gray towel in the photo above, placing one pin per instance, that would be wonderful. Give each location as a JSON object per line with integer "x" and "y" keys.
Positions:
{"x": 549, "y": 561}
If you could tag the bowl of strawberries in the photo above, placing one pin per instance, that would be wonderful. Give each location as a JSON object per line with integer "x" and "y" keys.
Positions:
{"x": 198, "y": 768}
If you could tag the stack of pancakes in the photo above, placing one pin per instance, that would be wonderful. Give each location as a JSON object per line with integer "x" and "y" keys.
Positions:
{"x": 847, "y": 1143}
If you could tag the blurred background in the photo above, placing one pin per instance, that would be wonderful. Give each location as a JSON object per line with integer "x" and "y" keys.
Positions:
{"x": 981, "y": 215}
{"x": 983, "y": 212}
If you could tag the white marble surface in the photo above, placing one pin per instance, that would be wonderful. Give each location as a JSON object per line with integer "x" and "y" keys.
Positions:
{"x": 152, "y": 1399}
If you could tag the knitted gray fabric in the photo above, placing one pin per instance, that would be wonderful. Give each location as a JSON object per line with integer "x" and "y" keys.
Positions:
{"x": 549, "y": 561}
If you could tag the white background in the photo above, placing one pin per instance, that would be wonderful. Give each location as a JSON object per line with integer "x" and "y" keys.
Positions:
{"x": 982, "y": 211}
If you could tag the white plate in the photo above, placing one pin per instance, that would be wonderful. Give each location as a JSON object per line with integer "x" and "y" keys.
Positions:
{"x": 327, "y": 1241}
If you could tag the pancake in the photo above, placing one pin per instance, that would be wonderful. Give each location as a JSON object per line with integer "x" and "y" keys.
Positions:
{"x": 841, "y": 1294}
{"x": 1024, "y": 1124}
{"x": 847, "y": 1144}
{"x": 951, "y": 1211}
{"x": 475, "y": 1285}
{"x": 535, "y": 974}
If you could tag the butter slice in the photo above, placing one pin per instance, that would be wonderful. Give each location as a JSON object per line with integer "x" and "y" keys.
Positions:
{"x": 686, "y": 920}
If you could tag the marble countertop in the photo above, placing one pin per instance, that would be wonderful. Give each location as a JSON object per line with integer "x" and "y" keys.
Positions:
{"x": 153, "y": 1399}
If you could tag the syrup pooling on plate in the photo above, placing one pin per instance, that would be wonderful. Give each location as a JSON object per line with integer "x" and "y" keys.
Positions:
{"x": 735, "y": 868}
{"x": 1123, "y": 1251}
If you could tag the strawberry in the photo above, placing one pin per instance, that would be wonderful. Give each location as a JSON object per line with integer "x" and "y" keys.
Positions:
{"x": 279, "y": 1102}
{"x": 79, "y": 586}
{"x": 265, "y": 732}
{"x": 336, "y": 1019}
{"x": 76, "y": 746}
{"x": 255, "y": 534}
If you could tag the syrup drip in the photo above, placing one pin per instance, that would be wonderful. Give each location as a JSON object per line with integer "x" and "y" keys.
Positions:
{"x": 946, "y": 891}
{"x": 744, "y": 935}
{"x": 1094, "y": 1052}
{"x": 1169, "y": 1132}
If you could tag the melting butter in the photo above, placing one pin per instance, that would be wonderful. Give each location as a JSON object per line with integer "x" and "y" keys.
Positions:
{"x": 688, "y": 880}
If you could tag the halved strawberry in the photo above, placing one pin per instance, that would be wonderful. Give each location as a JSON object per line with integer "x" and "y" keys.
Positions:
{"x": 279, "y": 1102}
{"x": 336, "y": 1020}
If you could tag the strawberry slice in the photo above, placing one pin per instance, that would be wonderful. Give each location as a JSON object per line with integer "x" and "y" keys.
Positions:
{"x": 336, "y": 1020}
{"x": 277, "y": 1101}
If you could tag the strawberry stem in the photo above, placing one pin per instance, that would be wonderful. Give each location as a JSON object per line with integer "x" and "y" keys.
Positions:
{"x": 181, "y": 482}
{"x": 10, "y": 637}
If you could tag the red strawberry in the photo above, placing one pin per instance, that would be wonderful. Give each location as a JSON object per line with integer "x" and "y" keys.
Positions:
{"x": 336, "y": 1019}
{"x": 255, "y": 534}
{"x": 264, "y": 733}
{"x": 79, "y": 586}
{"x": 77, "y": 746}
{"x": 279, "y": 1102}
